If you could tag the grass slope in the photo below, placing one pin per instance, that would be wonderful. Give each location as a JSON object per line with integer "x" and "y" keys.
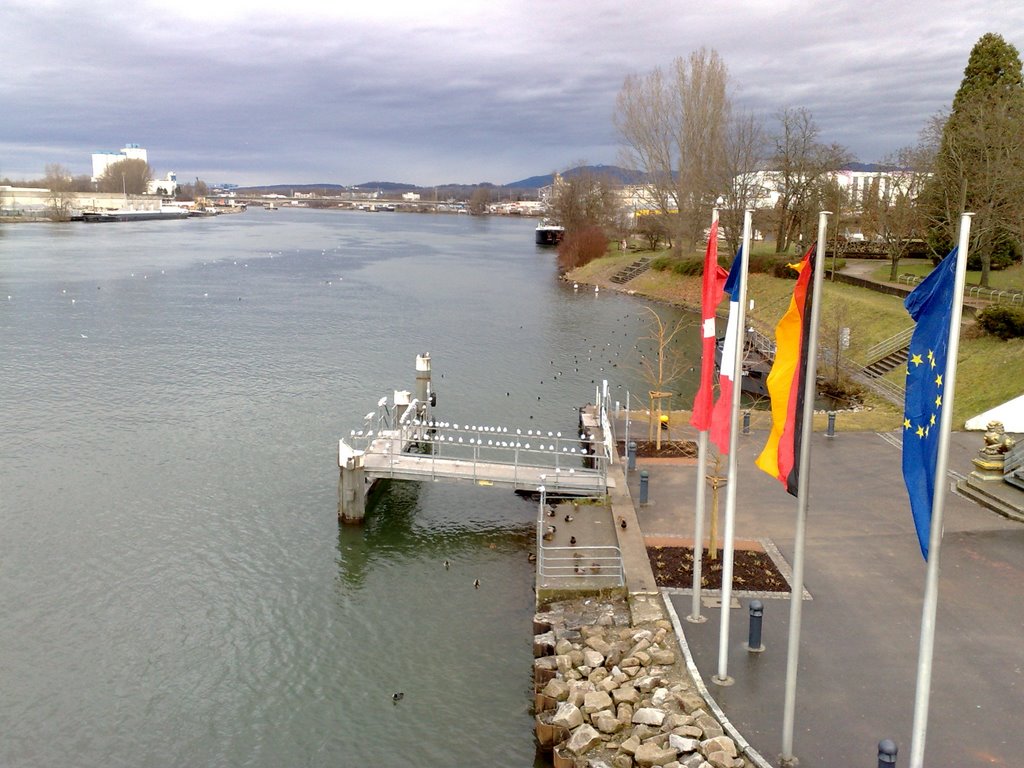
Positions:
{"x": 988, "y": 372}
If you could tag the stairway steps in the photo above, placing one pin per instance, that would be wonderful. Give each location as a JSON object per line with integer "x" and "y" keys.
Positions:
{"x": 628, "y": 273}
{"x": 881, "y": 367}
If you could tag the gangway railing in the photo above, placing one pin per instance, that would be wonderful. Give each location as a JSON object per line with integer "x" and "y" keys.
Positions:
{"x": 580, "y": 564}
{"x": 575, "y": 564}
{"x": 434, "y": 450}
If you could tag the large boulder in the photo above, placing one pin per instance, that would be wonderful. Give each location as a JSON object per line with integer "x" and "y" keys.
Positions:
{"x": 626, "y": 694}
{"x": 583, "y": 739}
{"x": 682, "y": 744}
{"x": 649, "y": 716}
{"x": 651, "y": 754}
{"x": 663, "y": 656}
{"x": 709, "y": 726}
{"x": 606, "y": 722}
{"x": 598, "y": 643}
{"x": 719, "y": 751}
{"x": 691, "y": 702}
{"x": 557, "y": 689}
{"x": 595, "y": 701}
{"x": 567, "y": 716}
{"x": 630, "y": 745}
{"x": 592, "y": 658}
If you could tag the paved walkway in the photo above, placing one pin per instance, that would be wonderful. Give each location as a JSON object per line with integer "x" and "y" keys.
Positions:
{"x": 865, "y": 577}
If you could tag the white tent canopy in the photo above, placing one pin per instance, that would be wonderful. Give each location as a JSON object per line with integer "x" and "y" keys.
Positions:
{"x": 1011, "y": 413}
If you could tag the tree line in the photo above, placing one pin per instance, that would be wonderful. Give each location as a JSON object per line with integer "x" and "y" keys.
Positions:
{"x": 695, "y": 149}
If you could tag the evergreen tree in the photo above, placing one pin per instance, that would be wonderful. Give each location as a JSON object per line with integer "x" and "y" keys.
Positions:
{"x": 980, "y": 162}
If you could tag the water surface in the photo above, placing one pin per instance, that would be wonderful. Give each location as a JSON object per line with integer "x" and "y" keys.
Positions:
{"x": 174, "y": 585}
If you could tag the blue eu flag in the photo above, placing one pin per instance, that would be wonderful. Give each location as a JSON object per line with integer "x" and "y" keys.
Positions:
{"x": 931, "y": 307}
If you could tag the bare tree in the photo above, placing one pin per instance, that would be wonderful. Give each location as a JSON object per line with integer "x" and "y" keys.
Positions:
{"x": 479, "y": 200}
{"x": 744, "y": 155}
{"x": 131, "y": 176}
{"x": 890, "y": 210}
{"x": 582, "y": 199}
{"x": 674, "y": 128}
{"x": 801, "y": 163}
{"x": 663, "y": 366}
{"x": 59, "y": 181}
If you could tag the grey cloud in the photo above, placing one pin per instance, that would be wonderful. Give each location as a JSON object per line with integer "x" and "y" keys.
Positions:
{"x": 446, "y": 91}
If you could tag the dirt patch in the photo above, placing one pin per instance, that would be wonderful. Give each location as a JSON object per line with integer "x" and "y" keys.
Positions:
{"x": 752, "y": 571}
{"x": 670, "y": 449}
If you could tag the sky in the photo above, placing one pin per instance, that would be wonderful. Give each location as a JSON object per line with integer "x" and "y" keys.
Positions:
{"x": 437, "y": 92}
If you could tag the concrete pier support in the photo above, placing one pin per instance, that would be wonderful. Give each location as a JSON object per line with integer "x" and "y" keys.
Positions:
{"x": 351, "y": 485}
{"x": 423, "y": 392}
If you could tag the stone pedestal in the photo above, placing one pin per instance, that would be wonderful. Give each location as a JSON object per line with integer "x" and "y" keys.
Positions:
{"x": 988, "y": 468}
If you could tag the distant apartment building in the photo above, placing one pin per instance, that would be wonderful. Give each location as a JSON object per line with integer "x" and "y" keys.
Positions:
{"x": 857, "y": 184}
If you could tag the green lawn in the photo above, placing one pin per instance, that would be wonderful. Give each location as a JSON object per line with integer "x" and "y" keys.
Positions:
{"x": 1004, "y": 279}
{"x": 988, "y": 371}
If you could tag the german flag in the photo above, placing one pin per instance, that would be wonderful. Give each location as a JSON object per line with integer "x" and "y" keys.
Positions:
{"x": 781, "y": 455}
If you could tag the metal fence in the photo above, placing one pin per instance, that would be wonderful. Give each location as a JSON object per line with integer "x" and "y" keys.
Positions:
{"x": 994, "y": 295}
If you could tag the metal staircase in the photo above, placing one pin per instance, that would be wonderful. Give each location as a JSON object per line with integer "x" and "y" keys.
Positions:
{"x": 1013, "y": 467}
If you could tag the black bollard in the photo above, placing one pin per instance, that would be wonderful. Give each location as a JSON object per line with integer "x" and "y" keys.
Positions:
{"x": 643, "y": 487}
{"x": 831, "y": 431}
{"x": 631, "y": 456}
{"x": 887, "y": 750}
{"x": 746, "y": 422}
{"x": 754, "y": 634}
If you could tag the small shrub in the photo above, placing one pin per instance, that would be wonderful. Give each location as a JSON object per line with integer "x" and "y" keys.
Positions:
{"x": 581, "y": 247}
{"x": 783, "y": 270}
{"x": 662, "y": 263}
{"x": 1004, "y": 322}
{"x": 692, "y": 267}
{"x": 685, "y": 267}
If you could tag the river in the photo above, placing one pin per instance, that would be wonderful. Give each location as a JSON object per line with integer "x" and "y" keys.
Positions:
{"x": 174, "y": 586}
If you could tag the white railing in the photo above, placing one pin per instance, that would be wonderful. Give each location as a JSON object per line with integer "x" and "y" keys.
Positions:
{"x": 583, "y": 564}
{"x": 580, "y": 563}
{"x": 441, "y": 450}
{"x": 893, "y": 343}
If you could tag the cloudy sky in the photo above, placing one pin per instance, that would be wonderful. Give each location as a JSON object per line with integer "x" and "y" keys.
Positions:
{"x": 433, "y": 92}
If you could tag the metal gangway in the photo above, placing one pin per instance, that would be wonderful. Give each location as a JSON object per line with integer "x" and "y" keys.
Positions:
{"x": 414, "y": 448}
{"x": 403, "y": 441}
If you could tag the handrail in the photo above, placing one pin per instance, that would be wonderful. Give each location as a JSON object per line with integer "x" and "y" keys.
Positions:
{"x": 887, "y": 346}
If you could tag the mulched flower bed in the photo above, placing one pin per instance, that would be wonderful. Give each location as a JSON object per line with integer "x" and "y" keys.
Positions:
{"x": 670, "y": 449}
{"x": 752, "y": 571}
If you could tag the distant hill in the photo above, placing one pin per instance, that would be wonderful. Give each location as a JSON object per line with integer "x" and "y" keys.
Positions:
{"x": 622, "y": 175}
{"x": 521, "y": 189}
{"x": 284, "y": 189}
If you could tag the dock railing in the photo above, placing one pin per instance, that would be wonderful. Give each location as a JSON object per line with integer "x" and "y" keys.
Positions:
{"x": 575, "y": 565}
{"x": 570, "y": 462}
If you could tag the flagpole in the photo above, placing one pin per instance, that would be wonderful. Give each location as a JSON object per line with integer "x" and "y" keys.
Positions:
{"x": 931, "y": 592}
{"x": 806, "y": 429}
{"x": 698, "y": 525}
{"x": 722, "y": 678}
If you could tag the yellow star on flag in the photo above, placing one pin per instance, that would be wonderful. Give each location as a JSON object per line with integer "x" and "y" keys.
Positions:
{"x": 938, "y": 401}
{"x": 916, "y": 360}
{"x": 906, "y": 423}
{"x": 920, "y": 431}
{"x": 938, "y": 380}
{"x": 932, "y": 422}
